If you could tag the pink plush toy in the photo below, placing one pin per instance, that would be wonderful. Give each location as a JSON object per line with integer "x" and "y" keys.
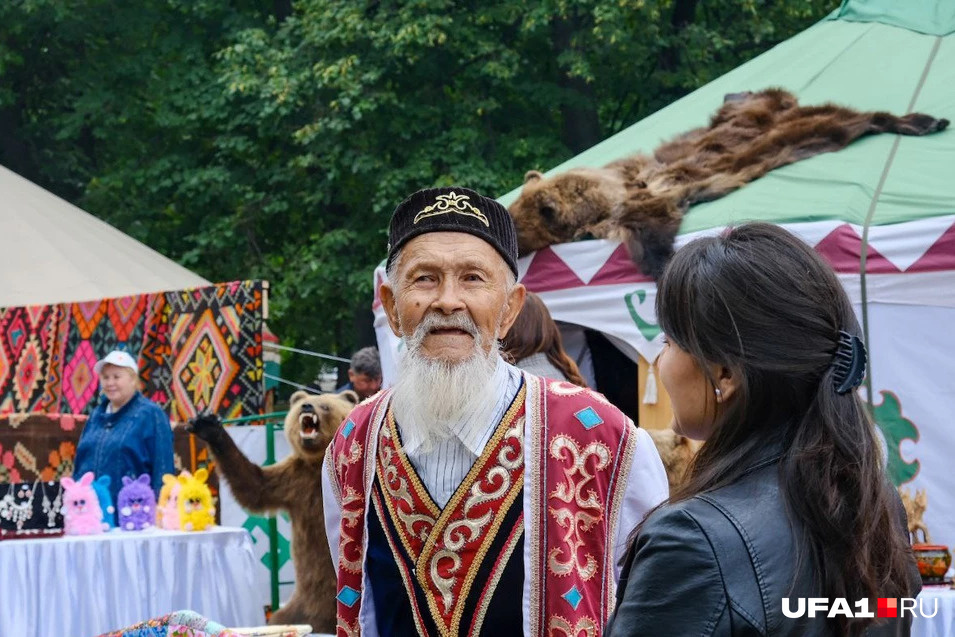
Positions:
{"x": 82, "y": 514}
{"x": 167, "y": 517}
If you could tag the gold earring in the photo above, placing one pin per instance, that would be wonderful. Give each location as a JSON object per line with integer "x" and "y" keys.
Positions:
{"x": 719, "y": 395}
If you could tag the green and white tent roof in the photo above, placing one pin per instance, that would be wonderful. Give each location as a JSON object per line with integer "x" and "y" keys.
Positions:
{"x": 894, "y": 194}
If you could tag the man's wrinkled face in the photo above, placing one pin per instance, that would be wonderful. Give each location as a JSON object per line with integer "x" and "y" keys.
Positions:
{"x": 364, "y": 384}
{"x": 442, "y": 279}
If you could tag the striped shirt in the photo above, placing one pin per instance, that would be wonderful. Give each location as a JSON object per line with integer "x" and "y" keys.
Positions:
{"x": 443, "y": 468}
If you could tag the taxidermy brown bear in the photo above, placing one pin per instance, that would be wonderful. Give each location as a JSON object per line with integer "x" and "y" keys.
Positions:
{"x": 675, "y": 451}
{"x": 294, "y": 485}
{"x": 641, "y": 199}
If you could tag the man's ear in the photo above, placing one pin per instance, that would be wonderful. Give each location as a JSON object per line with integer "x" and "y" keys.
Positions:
{"x": 515, "y": 301}
{"x": 387, "y": 296}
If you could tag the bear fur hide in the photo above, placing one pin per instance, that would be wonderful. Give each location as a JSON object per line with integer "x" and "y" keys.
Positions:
{"x": 293, "y": 485}
{"x": 641, "y": 199}
{"x": 676, "y": 452}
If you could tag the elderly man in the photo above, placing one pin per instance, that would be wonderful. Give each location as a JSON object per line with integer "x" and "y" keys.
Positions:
{"x": 471, "y": 497}
{"x": 364, "y": 373}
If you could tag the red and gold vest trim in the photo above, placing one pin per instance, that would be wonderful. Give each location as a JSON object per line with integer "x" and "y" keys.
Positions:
{"x": 579, "y": 450}
{"x": 449, "y": 546}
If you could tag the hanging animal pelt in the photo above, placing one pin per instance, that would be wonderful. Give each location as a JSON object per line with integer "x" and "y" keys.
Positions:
{"x": 641, "y": 199}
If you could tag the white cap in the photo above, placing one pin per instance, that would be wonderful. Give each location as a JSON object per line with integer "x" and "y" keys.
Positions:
{"x": 117, "y": 358}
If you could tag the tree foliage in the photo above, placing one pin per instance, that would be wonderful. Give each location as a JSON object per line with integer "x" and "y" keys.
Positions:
{"x": 248, "y": 140}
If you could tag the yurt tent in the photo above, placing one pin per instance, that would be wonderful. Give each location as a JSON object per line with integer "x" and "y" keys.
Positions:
{"x": 54, "y": 252}
{"x": 881, "y": 211}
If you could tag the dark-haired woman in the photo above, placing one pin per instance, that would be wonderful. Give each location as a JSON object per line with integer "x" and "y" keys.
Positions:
{"x": 535, "y": 345}
{"x": 788, "y": 497}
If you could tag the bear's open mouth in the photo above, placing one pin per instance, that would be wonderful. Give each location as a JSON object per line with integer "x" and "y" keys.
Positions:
{"x": 308, "y": 422}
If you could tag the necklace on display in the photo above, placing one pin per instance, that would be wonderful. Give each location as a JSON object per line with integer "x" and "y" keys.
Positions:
{"x": 18, "y": 512}
{"x": 52, "y": 509}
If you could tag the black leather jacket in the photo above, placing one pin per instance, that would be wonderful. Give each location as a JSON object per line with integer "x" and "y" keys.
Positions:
{"x": 720, "y": 564}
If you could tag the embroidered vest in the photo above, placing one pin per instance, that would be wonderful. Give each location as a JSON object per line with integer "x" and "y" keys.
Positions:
{"x": 442, "y": 571}
{"x": 577, "y": 449}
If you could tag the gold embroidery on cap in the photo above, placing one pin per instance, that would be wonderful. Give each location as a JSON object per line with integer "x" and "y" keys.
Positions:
{"x": 449, "y": 203}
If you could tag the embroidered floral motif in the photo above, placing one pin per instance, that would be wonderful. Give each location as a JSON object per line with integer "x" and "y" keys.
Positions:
{"x": 343, "y": 459}
{"x": 588, "y": 511}
{"x": 563, "y": 388}
{"x": 352, "y": 472}
{"x": 452, "y": 203}
{"x": 353, "y": 509}
{"x": 449, "y": 550}
{"x": 347, "y": 629}
{"x": 395, "y": 478}
{"x": 585, "y": 626}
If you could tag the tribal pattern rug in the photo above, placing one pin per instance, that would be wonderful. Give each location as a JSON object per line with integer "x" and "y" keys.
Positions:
{"x": 28, "y": 347}
{"x": 205, "y": 351}
{"x": 93, "y": 330}
{"x": 197, "y": 349}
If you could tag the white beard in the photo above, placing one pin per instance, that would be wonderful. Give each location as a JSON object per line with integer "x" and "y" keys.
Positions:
{"x": 430, "y": 395}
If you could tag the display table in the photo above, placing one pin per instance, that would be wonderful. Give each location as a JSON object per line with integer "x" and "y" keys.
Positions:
{"x": 943, "y": 623}
{"x": 86, "y": 585}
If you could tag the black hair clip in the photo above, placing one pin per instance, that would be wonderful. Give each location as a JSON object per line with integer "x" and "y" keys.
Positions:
{"x": 848, "y": 362}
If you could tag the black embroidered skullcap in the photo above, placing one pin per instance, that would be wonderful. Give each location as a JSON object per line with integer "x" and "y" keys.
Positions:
{"x": 453, "y": 209}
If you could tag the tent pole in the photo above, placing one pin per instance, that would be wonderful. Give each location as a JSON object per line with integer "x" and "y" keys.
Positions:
{"x": 868, "y": 222}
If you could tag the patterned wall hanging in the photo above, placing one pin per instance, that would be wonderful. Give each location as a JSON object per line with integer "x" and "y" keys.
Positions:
{"x": 198, "y": 348}
{"x": 28, "y": 344}
{"x": 204, "y": 350}
{"x": 92, "y": 330}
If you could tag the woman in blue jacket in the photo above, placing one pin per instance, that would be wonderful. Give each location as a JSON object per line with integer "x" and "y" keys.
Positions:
{"x": 127, "y": 434}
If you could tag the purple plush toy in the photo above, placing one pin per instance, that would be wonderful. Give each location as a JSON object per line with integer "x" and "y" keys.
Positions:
{"x": 136, "y": 504}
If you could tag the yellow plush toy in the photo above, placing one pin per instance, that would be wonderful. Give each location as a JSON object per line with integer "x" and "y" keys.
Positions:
{"x": 195, "y": 502}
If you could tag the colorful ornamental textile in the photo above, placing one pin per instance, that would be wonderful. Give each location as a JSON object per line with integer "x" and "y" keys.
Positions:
{"x": 42, "y": 447}
{"x": 183, "y": 623}
{"x": 450, "y": 571}
{"x": 28, "y": 356}
{"x": 586, "y": 477}
{"x": 199, "y": 348}
{"x": 91, "y": 330}
{"x": 203, "y": 350}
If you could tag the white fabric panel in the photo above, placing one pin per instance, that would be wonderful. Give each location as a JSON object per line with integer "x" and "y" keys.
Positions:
{"x": 911, "y": 355}
{"x": 87, "y": 585}
{"x": 251, "y": 441}
{"x": 943, "y": 624}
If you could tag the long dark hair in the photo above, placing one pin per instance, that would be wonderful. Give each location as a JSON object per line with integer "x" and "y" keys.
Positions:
{"x": 535, "y": 331}
{"x": 760, "y": 302}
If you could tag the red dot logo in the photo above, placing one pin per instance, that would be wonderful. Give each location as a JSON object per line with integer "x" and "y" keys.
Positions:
{"x": 888, "y": 607}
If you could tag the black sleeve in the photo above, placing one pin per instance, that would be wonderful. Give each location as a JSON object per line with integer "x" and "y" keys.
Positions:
{"x": 673, "y": 585}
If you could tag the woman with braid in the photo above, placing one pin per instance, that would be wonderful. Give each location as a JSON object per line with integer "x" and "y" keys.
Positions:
{"x": 788, "y": 497}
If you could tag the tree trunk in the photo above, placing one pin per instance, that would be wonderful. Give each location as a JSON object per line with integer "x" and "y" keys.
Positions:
{"x": 684, "y": 13}
{"x": 14, "y": 151}
{"x": 580, "y": 124}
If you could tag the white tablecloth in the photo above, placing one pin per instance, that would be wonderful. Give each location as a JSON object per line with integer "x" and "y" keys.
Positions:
{"x": 86, "y": 585}
{"x": 943, "y": 623}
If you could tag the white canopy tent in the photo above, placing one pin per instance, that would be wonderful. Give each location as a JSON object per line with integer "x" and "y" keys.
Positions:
{"x": 54, "y": 252}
